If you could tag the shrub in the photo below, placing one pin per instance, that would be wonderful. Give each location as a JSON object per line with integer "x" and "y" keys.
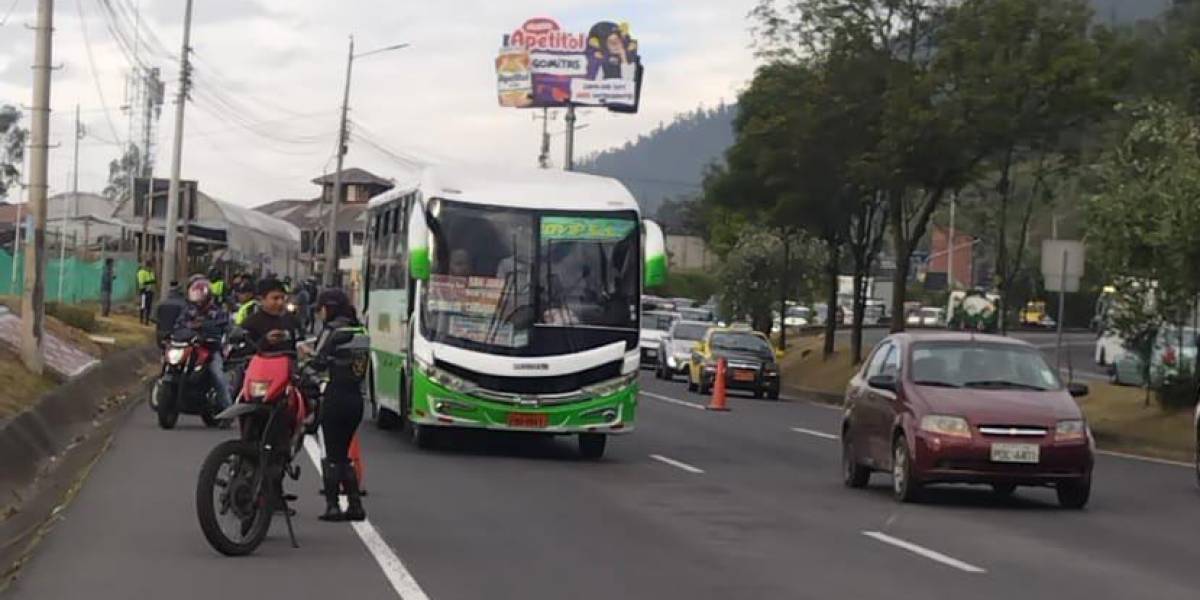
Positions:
{"x": 77, "y": 317}
{"x": 1178, "y": 391}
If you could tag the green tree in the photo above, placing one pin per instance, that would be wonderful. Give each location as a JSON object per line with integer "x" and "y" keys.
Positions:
{"x": 121, "y": 170}
{"x": 1142, "y": 223}
{"x": 12, "y": 149}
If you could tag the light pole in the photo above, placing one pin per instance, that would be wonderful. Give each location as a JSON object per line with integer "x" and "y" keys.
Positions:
{"x": 331, "y": 231}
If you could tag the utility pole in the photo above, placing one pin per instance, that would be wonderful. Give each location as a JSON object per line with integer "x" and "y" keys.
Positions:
{"x": 331, "y": 234}
{"x": 544, "y": 157}
{"x": 950, "y": 260}
{"x": 33, "y": 293}
{"x": 569, "y": 165}
{"x": 185, "y": 75}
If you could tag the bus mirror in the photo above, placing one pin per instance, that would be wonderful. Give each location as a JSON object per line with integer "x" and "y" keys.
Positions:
{"x": 654, "y": 249}
{"x": 418, "y": 243}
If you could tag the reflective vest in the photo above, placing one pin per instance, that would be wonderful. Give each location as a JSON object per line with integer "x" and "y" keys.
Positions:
{"x": 217, "y": 288}
{"x": 244, "y": 311}
{"x": 145, "y": 278}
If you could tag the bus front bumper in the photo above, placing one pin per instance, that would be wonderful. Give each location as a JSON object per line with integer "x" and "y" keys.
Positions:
{"x": 436, "y": 405}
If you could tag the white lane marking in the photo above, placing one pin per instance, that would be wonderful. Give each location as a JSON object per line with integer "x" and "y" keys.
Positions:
{"x": 1149, "y": 459}
{"x": 678, "y": 465}
{"x": 675, "y": 401}
{"x": 402, "y": 581}
{"x": 923, "y": 551}
{"x": 820, "y": 434}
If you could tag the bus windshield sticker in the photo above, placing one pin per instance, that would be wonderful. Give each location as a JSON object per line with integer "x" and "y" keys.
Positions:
{"x": 586, "y": 228}
{"x": 471, "y": 304}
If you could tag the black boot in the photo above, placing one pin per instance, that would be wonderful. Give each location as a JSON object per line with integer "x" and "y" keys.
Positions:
{"x": 354, "y": 512}
{"x": 333, "y": 511}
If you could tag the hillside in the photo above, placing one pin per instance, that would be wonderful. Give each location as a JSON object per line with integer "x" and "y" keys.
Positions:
{"x": 668, "y": 162}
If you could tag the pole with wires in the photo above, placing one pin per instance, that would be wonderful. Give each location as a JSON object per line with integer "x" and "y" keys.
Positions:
{"x": 168, "y": 265}
{"x": 331, "y": 233}
{"x": 33, "y": 293}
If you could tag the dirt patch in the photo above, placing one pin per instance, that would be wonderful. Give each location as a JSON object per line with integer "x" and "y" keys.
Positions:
{"x": 19, "y": 389}
{"x": 125, "y": 330}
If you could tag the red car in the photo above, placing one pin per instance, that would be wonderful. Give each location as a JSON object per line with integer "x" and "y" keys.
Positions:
{"x": 964, "y": 408}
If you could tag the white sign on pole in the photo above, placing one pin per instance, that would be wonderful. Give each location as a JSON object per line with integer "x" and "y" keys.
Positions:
{"x": 1062, "y": 265}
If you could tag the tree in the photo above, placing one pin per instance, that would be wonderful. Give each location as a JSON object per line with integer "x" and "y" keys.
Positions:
{"x": 12, "y": 149}
{"x": 1027, "y": 70}
{"x": 1142, "y": 223}
{"x": 121, "y": 170}
{"x": 755, "y": 270}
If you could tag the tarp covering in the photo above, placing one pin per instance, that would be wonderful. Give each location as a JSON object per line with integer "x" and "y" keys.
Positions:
{"x": 80, "y": 279}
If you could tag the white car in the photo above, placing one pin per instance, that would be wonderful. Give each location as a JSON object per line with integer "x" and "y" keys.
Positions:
{"x": 655, "y": 325}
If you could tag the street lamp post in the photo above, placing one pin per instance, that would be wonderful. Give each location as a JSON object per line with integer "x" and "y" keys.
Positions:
{"x": 331, "y": 254}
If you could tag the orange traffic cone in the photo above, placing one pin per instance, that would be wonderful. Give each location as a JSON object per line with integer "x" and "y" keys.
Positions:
{"x": 718, "y": 396}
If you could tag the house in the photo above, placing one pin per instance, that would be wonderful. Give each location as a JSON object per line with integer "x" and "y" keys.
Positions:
{"x": 312, "y": 216}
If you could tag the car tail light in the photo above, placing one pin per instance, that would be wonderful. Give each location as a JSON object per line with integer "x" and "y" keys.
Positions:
{"x": 1168, "y": 356}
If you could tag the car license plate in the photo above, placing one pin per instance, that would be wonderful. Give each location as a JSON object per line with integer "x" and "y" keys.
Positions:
{"x": 1015, "y": 453}
{"x": 743, "y": 375}
{"x": 529, "y": 420}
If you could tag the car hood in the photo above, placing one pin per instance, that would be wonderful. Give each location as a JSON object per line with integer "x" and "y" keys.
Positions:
{"x": 682, "y": 346}
{"x": 651, "y": 335}
{"x": 1000, "y": 407}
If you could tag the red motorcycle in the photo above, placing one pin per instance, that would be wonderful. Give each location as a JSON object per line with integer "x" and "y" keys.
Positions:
{"x": 185, "y": 386}
{"x": 241, "y": 481}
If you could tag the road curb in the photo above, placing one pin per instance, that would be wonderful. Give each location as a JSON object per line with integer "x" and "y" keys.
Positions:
{"x": 62, "y": 417}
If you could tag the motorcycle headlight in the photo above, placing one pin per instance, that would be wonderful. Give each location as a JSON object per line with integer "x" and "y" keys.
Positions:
{"x": 259, "y": 389}
{"x": 947, "y": 426}
{"x": 291, "y": 307}
{"x": 174, "y": 356}
{"x": 1071, "y": 430}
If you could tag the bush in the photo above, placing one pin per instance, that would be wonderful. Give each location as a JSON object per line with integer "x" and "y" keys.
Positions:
{"x": 697, "y": 285}
{"x": 1178, "y": 392}
{"x": 79, "y": 318}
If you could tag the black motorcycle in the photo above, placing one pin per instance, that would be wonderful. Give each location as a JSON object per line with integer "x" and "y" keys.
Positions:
{"x": 185, "y": 386}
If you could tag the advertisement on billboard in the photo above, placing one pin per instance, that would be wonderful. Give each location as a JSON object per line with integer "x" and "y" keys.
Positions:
{"x": 541, "y": 65}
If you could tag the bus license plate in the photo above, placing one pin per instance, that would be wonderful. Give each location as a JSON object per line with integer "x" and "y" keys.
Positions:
{"x": 743, "y": 375}
{"x": 529, "y": 420}
{"x": 1015, "y": 453}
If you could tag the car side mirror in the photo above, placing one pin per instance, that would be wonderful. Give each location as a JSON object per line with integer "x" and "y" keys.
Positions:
{"x": 1077, "y": 390}
{"x": 882, "y": 382}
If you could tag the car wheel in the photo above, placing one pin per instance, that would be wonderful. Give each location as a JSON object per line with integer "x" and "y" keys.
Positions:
{"x": 1003, "y": 490}
{"x": 905, "y": 488}
{"x": 758, "y": 394}
{"x": 854, "y": 475}
{"x": 1101, "y": 361}
{"x": 773, "y": 392}
{"x": 1075, "y": 494}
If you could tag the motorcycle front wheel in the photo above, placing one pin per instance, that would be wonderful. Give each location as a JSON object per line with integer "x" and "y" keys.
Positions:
{"x": 234, "y": 518}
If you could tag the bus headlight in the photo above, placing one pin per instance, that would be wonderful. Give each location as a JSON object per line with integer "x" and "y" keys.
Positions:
{"x": 447, "y": 380}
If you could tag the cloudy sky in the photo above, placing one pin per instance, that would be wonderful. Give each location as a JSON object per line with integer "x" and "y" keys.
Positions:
{"x": 270, "y": 72}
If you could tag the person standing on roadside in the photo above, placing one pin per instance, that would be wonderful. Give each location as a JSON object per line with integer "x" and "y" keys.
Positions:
{"x": 145, "y": 287}
{"x": 342, "y": 350}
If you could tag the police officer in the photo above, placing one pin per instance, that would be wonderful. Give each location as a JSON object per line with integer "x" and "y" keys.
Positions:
{"x": 247, "y": 302}
{"x": 145, "y": 286}
{"x": 342, "y": 350}
{"x": 217, "y": 283}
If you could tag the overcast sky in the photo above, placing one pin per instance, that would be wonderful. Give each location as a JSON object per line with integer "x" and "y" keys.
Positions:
{"x": 285, "y": 59}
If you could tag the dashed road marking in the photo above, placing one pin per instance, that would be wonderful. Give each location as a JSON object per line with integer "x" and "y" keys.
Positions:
{"x": 674, "y": 401}
{"x": 677, "y": 464}
{"x": 1149, "y": 459}
{"x": 820, "y": 434}
{"x": 925, "y": 552}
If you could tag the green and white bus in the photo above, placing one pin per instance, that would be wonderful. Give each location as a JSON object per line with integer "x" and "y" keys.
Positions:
{"x": 508, "y": 300}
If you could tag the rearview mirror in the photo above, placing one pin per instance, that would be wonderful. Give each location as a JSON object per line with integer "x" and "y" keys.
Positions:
{"x": 1077, "y": 390}
{"x": 654, "y": 249}
{"x": 883, "y": 382}
{"x": 418, "y": 243}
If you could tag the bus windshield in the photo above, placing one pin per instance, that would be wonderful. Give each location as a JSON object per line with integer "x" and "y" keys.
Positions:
{"x": 502, "y": 277}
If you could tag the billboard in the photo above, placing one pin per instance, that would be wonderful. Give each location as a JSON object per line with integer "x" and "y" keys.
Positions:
{"x": 541, "y": 65}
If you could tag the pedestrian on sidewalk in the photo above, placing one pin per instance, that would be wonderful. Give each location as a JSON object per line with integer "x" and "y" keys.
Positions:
{"x": 343, "y": 350}
{"x": 145, "y": 285}
{"x": 106, "y": 287}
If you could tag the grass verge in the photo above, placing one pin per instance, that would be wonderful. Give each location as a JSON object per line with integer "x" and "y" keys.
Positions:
{"x": 19, "y": 388}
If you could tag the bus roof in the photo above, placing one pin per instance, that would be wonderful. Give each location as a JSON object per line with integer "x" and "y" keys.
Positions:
{"x": 516, "y": 187}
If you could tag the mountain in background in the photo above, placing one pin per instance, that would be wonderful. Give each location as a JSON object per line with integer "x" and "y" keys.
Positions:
{"x": 669, "y": 162}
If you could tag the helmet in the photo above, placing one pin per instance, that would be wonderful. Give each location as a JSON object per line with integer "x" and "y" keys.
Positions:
{"x": 199, "y": 291}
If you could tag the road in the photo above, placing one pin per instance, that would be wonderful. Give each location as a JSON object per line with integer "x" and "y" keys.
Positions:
{"x": 1079, "y": 348}
{"x": 695, "y": 504}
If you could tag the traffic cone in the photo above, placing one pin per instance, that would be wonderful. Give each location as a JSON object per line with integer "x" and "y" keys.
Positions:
{"x": 718, "y": 396}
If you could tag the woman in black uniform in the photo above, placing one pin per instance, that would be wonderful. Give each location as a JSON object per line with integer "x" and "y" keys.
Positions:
{"x": 342, "y": 349}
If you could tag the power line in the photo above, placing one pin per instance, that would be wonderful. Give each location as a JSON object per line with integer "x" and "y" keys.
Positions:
{"x": 87, "y": 44}
{"x": 8, "y": 14}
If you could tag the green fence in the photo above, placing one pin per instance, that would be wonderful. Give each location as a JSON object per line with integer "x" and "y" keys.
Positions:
{"x": 80, "y": 279}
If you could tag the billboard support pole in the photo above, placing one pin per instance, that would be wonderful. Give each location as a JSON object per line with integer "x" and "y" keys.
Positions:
{"x": 569, "y": 163}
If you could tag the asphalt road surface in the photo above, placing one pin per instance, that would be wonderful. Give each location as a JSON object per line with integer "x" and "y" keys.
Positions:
{"x": 694, "y": 504}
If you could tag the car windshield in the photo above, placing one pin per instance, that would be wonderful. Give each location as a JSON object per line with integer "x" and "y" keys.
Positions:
{"x": 689, "y": 331}
{"x": 696, "y": 314}
{"x": 657, "y": 321}
{"x": 930, "y": 312}
{"x": 981, "y": 365}
{"x": 798, "y": 311}
{"x": 740, "y": 342}
{"x": 498, "y": 275}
